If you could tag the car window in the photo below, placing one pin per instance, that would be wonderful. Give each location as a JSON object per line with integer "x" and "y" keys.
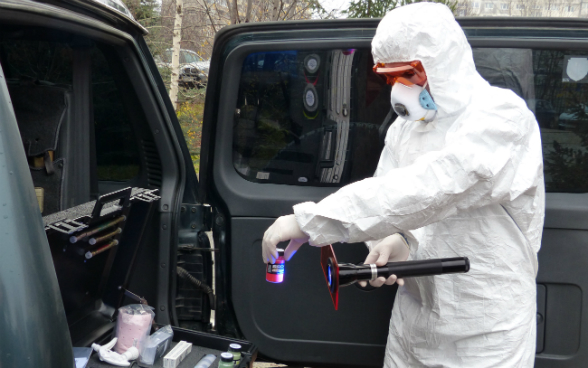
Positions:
{"x": 188, "y": 57}
{"x": 48, "y": 78}
{"x": 50, "y": 63}
{"x": 309, "y": 117}
{"x": 312, "y": 117}
{"x": 37, "y": 61}
{"x": 554, "y": 83}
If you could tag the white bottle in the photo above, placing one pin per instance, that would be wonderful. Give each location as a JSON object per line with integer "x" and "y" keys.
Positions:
{"x": 206, "y": 361}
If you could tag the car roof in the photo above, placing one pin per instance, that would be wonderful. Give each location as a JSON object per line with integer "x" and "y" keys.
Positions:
{"x": 112, "y": 12}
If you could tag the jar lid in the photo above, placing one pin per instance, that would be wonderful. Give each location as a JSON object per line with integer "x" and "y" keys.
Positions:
{"x": 235, "y": 347}
{"x": 226, "y": 357}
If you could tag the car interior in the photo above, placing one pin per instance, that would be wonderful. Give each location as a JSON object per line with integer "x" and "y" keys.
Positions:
{"x": 97, "y": 170}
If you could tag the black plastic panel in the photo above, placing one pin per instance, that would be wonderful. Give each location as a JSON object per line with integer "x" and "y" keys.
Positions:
{"x": 562, "y": 269}
{"x": 541, "y": 296}
{"x": 295, "y": 320}
{"x": 566, "y": 211}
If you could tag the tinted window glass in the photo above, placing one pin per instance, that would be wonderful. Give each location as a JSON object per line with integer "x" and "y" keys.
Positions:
{"x": 312, "y": 117}
{"x": 309, "y": 117}
{"x": 50, "y": 63}
{"x": 37, "y": 60}
{"x": 554, "y": 84}
{"x": 117, "y": 155}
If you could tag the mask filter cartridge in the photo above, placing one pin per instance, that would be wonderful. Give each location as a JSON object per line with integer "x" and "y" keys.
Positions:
{"x": 413, "y": 102}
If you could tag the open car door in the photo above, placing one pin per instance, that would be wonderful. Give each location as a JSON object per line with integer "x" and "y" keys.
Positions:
{"x": 293, "y": 112}
{"x": 291, "y": 117}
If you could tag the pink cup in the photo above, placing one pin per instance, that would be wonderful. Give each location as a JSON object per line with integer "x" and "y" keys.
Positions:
{"x": 131, "y": 328}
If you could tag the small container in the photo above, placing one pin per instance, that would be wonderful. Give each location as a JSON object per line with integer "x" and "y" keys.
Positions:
{"x": 226, "y": 360}
{"x": 206, "y": 361}
{"x": 235, "y": 349}
{"x": 156, "y": 345}
{"x": 275, "y": 272}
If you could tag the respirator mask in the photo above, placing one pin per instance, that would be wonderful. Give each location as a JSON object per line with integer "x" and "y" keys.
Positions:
{"x": 409, "y": 98}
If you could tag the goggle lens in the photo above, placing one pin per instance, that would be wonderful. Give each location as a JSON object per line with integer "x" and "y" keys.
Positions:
{"x": 405, "y": 73}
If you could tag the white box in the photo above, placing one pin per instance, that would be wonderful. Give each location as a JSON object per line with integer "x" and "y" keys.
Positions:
{"x": 177, "y": 354}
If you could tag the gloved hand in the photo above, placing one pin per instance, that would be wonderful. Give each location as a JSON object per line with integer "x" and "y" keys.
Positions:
{"x": 284, "y": 228}
{"x": 393, "y": 248}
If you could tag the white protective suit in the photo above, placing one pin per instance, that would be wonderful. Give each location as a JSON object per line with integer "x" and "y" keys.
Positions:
{"x": 469, "y": 183}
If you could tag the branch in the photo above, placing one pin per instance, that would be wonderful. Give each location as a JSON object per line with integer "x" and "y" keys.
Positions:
{"x": 209, "y": 16}
{"x": 248, "y": 13}
{"x": 289, "y": 9}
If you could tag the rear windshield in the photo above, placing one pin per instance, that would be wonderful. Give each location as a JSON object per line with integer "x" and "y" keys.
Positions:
{"x": 318, "y": 117}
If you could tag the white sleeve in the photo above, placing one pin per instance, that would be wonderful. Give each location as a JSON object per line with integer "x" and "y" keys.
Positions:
{"x": 486, "y": 160}
{"x": 387, "y": 162}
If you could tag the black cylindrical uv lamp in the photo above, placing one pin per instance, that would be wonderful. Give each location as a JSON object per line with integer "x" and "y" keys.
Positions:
{"x": 350, "y": 273}
{"x": 338, "y": 275}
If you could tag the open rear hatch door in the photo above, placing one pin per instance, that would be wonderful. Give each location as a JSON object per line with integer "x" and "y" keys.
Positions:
{"x": 292, "y": 113}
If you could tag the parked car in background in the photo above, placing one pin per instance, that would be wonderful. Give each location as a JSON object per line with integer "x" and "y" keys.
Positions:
{"x": 572, "y": 117}
{"x": 193, "y": 68}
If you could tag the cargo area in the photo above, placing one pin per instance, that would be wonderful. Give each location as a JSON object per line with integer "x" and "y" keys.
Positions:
{"x": 95, "y": 150}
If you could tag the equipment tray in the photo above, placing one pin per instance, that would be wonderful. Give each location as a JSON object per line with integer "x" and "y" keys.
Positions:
{"x": 202, "y": 344}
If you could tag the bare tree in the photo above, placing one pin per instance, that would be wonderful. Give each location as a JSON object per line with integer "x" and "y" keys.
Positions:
{"x": 203, "y": 18}
{"x": 176, "y": 41}
{"x": 248, "y": 11}
{"x": 193, "y": 24}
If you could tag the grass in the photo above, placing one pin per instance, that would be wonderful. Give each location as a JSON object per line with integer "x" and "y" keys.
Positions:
{"x": 190, "y": 117}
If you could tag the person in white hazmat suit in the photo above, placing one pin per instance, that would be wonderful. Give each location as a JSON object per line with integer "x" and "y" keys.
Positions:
{"x": 461, "y": 175}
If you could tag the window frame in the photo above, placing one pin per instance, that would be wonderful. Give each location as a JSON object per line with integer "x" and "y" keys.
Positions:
{"x": 241, "y": 193}
{"x": 218, "y": 163}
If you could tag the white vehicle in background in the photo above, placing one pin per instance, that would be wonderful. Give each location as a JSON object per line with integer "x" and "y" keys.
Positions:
{"x": 193, "y": 69}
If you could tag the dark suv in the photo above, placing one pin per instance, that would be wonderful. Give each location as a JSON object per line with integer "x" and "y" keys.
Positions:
{"x": 292, "y": 113}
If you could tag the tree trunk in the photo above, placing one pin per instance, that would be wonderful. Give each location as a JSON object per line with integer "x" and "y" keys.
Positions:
{"x": 275, "y": 10}
{"x": 231, "y": 12}
{"x": 236, "y": 12}
{"x": 290, "y": 10}
{"x": 176, "y": 41}
{"x": 248, "y": 13}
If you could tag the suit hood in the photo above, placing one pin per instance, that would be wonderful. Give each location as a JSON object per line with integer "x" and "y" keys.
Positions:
{"x": 429, "y": 33}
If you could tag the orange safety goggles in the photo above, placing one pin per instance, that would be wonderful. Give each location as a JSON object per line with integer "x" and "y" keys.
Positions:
{"x": 406, "y": 73}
